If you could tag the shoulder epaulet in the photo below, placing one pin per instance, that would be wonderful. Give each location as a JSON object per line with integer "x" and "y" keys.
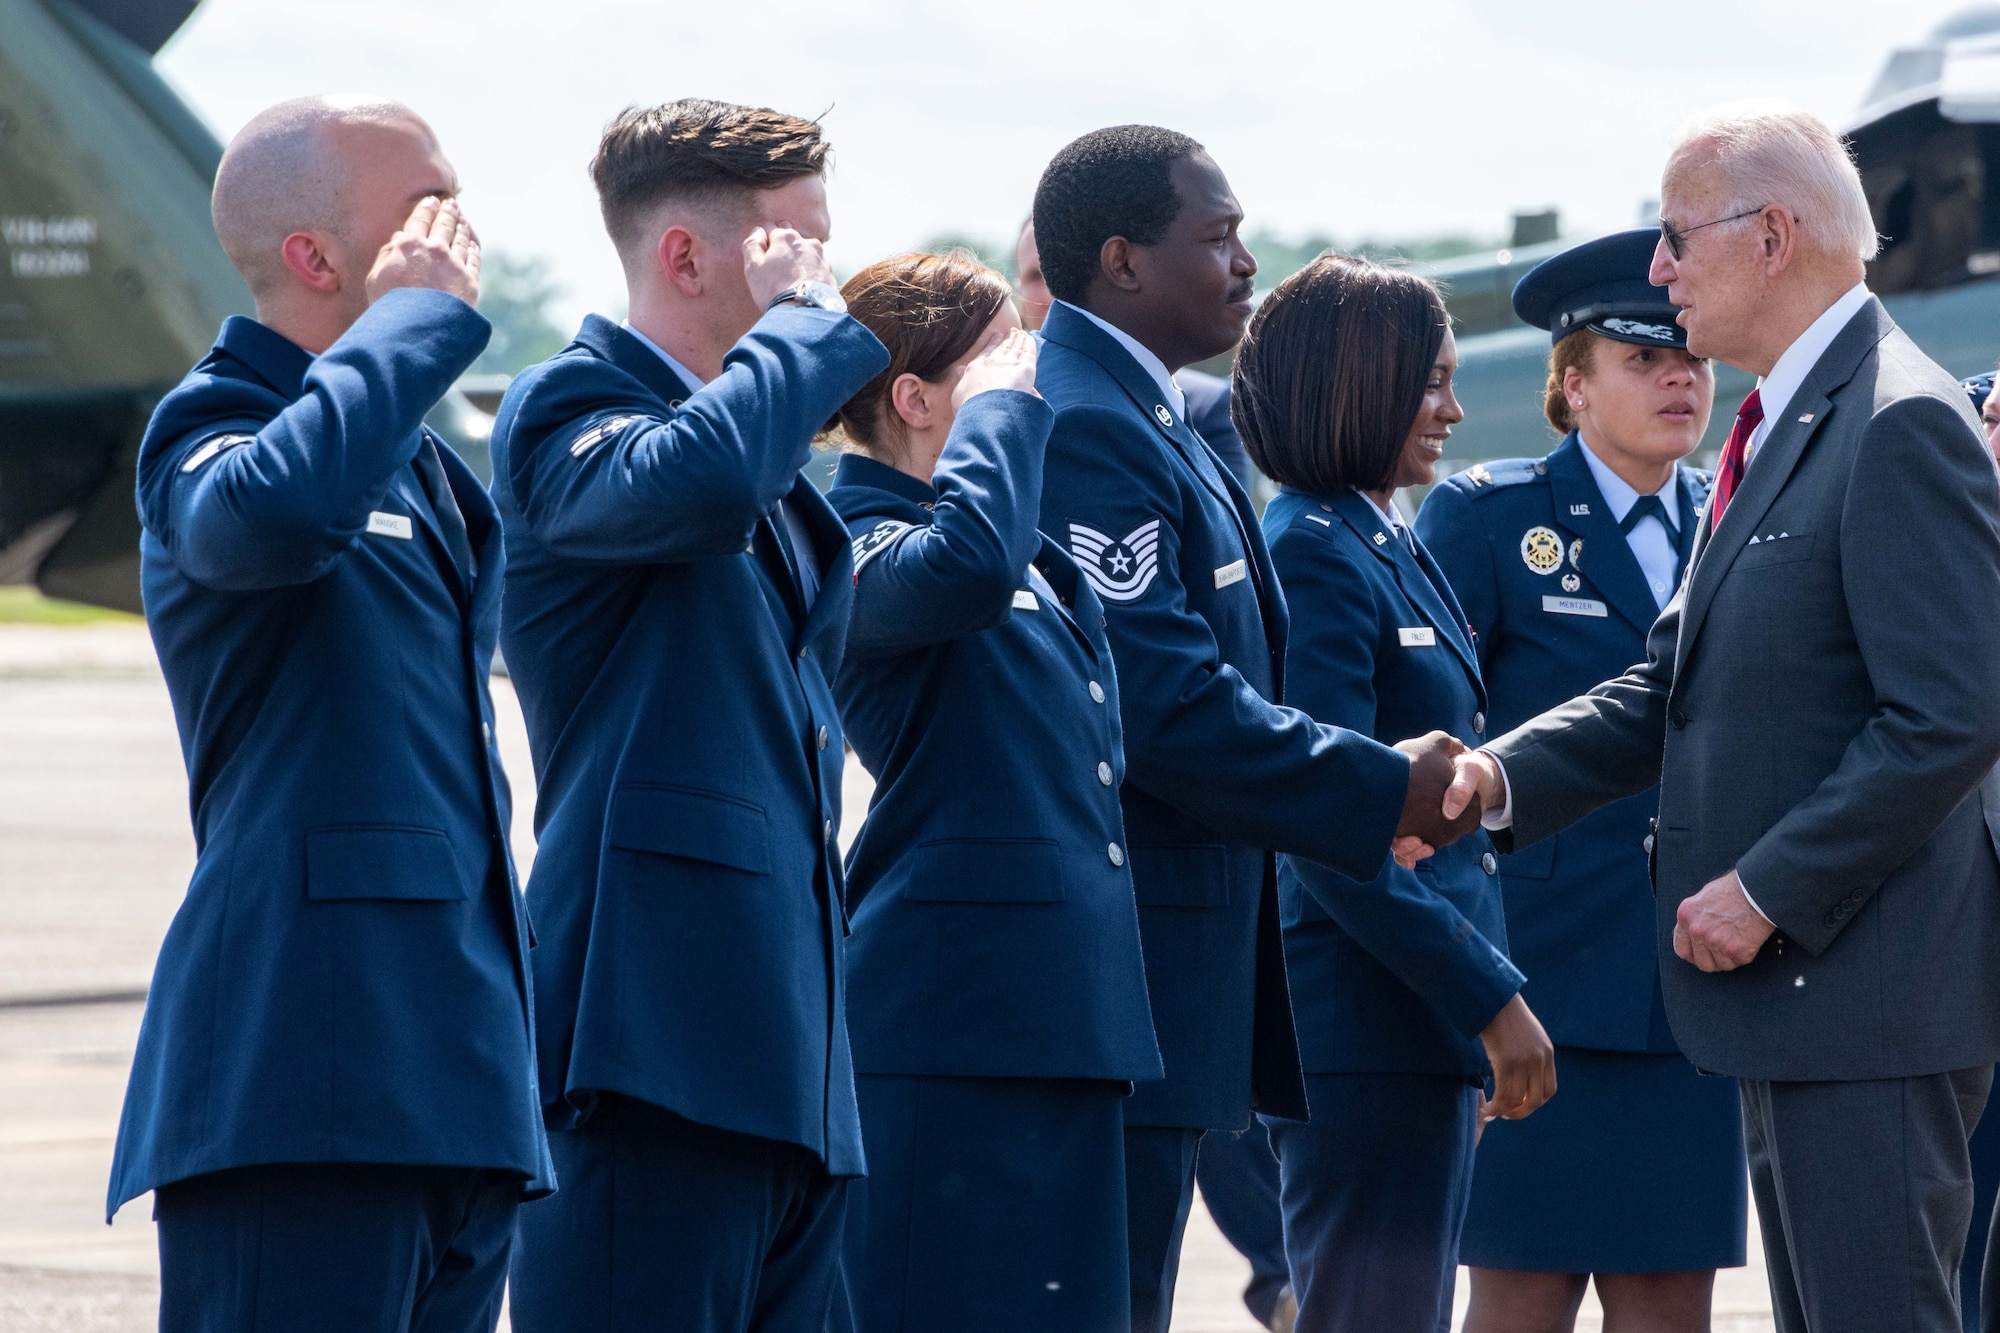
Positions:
{"x": 1486, "y": 478}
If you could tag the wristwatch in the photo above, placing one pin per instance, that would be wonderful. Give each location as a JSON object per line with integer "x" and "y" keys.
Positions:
{"x": 819, "y": 295}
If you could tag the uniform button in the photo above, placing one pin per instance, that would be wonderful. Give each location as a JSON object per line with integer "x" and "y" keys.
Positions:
{"x": 1677, "y": 719}
{"x": 822, "y": 738}
{"x": 1798, "y": 981}
{"x": 1490, "y": 864}
{"x": 804, "y": 653}
{"x": 1116, "y": 853}
{"x": 1479, "y": 721}
{"x": 826, "y": 833}
{"x": 1096, "y": 692}
{"x": 1104, "y": 773}
{"x": 1648, "y": 844}
{"x": 486, "y": 730}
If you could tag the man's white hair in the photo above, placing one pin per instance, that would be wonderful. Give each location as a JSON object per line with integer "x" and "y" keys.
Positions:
{"x": 1775, "y": 153}
{"x": 282, "y": 174}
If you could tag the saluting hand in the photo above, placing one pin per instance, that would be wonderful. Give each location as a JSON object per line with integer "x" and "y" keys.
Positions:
{"x": 436, "y": 248}
{"x": 1008, "y": 364}
{"x": 1523, "y": 1060}
{"x": 774, "y": 260}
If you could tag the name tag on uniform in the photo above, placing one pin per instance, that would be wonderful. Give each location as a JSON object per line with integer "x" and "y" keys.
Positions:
{"x": 390, "y": 525}
{"x": 1574, "y": 606}
{"x": 1421, "y": 637}
{"x": 1025, "y": 600}
{"x": 1233, "y": 572}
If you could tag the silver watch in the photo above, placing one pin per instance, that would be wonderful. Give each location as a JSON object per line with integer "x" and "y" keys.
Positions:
{"x": 820, "y": 295}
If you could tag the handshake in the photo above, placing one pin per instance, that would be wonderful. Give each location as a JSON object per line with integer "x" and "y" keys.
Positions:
{"x": 1450, "y": 788}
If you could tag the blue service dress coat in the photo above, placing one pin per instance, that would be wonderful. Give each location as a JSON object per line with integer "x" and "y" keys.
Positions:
{"x": 1559, "y": 603}
{"x": 347, "y": 978}
{"x": 687, "y": 886}
{"x": 1220, "y": 773}
{"x": 996, "y": 988}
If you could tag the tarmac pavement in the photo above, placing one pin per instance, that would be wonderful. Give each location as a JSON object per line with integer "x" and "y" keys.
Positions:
{"x": 94, "y": 855}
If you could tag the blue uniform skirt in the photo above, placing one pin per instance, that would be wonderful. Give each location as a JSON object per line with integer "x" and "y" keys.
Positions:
{"x": 990, "y": 1204}
{"x": 1634, "y": 1166}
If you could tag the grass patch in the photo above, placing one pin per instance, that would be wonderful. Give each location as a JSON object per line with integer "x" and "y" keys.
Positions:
{"x": 27, "y": 606}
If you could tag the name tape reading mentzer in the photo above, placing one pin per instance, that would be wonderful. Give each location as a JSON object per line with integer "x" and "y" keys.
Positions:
{"x": 1574, "y": 606}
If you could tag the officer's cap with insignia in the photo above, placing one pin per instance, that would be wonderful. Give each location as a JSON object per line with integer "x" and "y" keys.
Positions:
{"x": 1601, "y": 286}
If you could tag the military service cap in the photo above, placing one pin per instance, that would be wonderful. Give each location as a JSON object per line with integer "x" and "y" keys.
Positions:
{"x": 1601, "y": 286}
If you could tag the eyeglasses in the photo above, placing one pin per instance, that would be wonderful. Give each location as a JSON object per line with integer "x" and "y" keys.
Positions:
{"x": 1675, "y": 237}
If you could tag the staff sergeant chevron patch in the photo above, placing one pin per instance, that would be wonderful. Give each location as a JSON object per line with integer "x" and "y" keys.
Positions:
{"x": 1120, "y": 569}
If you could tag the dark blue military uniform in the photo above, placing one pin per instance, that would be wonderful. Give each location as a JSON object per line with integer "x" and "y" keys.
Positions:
{"x": 673, "y": 644}
{"x": 1394, "y": 975}
{"x": 996, "y": 990}
{"x": 1219, "y": 771}
{"x": 1636, "y": 1165}
{"x": 344, "y": 990}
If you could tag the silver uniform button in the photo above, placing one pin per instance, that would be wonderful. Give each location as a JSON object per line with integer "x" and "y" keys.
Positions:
{"x": 822, "y": 738}
{"x": 486, "y": 730}
{"x": 1104, "y": 773}
{"x": 826, "y": 833}
{"x": 1479, "y": 721}
{"x": 1116, "y": 853}
{"x": 1490, "y": 863}
{"x": 1647, "y": 845}
{"x": 1096, "y": 692}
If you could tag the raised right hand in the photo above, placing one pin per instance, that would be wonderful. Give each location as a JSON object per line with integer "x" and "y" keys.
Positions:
{"x": 773, "y": 260}
{"x": 1431, "y": 774}
{"x": 436, "y": 248}
{"x": 1008, "y": 364}
{"x": 1523, "y": 1060}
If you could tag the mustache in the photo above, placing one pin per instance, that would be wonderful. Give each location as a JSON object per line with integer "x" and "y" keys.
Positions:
{"x": 1243, "y": 291}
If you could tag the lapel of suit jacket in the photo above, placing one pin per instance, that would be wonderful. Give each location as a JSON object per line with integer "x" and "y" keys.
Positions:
{"x": 1066, "y": 328}
{"x": 1605, "y": 557}
{"x": 1773, "y": 464}
{"x": 482, "y": 527}
{"x": 1413, "y": 578}
{"x": 409, "y": 488}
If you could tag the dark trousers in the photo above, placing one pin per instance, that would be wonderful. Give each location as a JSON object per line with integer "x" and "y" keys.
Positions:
{"x": 1864, "y": 1194}
{"x": 1159, "y": 1192}
{"x": 1238, "y": 1176}
{"x": 991, "y": 1205}
{"x": 663, "y": 1223}
{"x": 1375, "y": 1188}
{"x": 344, "y": 1247}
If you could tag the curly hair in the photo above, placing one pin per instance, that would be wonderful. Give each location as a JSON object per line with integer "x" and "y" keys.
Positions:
{"x": 1111, "y": 182}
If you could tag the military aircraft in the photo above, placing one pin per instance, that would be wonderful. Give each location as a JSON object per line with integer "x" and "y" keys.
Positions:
{"x": 1927, "y": 140}
{"x": 111, "y": 283}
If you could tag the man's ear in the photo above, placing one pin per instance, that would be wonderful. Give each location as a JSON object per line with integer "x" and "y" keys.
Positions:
{"x": 1114, "y": 264}
{"x": 678, "y": 258}
{"x": 307, "y": 255}
{"x": 910, "y": 397}
{"x": 1778, "y": 233}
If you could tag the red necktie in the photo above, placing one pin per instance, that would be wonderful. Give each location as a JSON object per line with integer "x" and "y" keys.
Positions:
{"x": 1729, "y": 472}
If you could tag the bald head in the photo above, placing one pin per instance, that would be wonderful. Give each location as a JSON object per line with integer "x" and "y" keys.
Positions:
{"x": 311, "y": 189}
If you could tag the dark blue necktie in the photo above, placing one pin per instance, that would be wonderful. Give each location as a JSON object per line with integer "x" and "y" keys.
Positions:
{"x": 1647, "y": 506}
{"x": 437, "y": 489}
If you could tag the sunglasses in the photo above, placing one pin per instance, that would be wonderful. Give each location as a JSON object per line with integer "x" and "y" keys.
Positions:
{"x": 1677, "y": 237}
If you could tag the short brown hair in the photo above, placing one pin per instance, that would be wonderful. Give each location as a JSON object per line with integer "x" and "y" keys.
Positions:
{"x": 697, "y": 150}
{"x": 1332, "y": 373}
{"x": 928, "y": 310}
{"x": 1577, "y": 349}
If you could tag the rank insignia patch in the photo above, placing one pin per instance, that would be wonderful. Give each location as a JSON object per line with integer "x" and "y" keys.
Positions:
{"x": 1119, "y": 568}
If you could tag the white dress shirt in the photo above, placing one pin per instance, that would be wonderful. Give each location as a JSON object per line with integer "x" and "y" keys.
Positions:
{"x": 795, "y": 528}
{"x": 1654, "y": 547}
{"x": 1774, "y": 394}
{"x": 1170, "y": 392}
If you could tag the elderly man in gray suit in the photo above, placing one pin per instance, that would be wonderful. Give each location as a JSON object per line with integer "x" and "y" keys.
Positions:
{"x": 1820, "y": 704}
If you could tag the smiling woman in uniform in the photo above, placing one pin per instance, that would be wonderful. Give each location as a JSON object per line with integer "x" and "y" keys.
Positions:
{"x": 1636, "y": 1173}
{"x": 1404, "y": 995}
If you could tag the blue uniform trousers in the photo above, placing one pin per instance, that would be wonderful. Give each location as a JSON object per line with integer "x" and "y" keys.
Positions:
{"x": 1159, "y": 1192}
{"x": 1238, "y": 1176}
{"x": 1375, "y": 1188}
{"x": 990, "y": 1204}
{"x": 665, "y": 1223}
{"x": 341, "y": 1246}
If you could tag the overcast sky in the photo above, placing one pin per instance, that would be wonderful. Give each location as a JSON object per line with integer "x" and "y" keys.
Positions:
{"x": 1379, "y": 119}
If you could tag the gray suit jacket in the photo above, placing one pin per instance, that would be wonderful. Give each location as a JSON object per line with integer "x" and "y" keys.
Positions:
{"x": 1821, "y": 705}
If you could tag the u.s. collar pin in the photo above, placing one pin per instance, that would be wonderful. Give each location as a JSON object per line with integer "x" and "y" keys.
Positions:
{"x": 1166, "y": 417}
